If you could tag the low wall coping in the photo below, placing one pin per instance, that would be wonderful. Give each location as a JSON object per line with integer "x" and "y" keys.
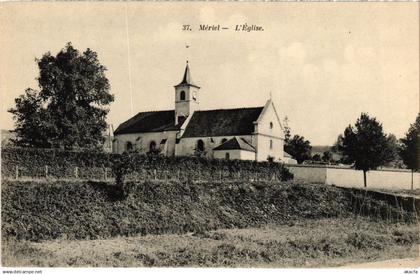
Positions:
{"x": 349, "y": 168}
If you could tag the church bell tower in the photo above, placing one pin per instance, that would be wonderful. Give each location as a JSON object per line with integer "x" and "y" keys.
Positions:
{"x": 186, "y": 97}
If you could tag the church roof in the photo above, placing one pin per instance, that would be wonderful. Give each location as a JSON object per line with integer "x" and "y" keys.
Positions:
{"x": 222, "y": 122}
{"x": 151, "y": 121}
{"x": 235, "y": 144}
{"x": 187, "y": 79}
{"x": 206, "y": 123}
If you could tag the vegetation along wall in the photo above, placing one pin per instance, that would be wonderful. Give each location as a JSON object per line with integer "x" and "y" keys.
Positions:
{"x": 35, "y": 163}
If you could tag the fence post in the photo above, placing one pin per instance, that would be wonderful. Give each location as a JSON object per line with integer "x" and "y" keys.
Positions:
{"x": 76, "y": 172}
{"x": 220, "y": 175}
{"x": 105, "y": 175}
{"x": 154, "y": 173}
{"x": 46, "y": 171}
{"x": 17, "y": 172}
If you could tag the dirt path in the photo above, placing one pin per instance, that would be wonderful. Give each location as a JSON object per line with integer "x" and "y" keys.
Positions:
{"x": 398, "y": 263}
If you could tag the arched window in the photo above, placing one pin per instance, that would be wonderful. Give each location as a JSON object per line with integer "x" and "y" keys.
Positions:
{"x": 271, "y": 124}
{"x": 271, "y": 144}
{"x": 200, "y": 145}
{"x": 152, "y": 146}
{"x": 129, "y": 146}
{"x": 182, "y": 95}
{"x": 223, "y": 140}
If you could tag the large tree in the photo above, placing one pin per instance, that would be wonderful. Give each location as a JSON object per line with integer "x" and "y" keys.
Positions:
{"x": 299, "y": 148}
{"x": 286, "y": 129}
{"x": 410, "y": 147}
{"x": 69, "y": 110}
{"x": 365, "y": 144}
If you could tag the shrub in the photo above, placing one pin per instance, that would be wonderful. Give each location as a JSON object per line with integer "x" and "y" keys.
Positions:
{"x": 60, "y": 164}
{"x": 79, "y": 210}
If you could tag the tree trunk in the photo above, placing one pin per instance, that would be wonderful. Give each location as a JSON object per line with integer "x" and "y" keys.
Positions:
{"x": 412, "y": 179}
{"x": 364, "y": 177}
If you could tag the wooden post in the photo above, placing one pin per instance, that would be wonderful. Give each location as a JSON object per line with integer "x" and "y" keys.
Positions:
{"x": 154, "y": 174}
{"x": 17, "y": 172}
{"x": 412, "y": 178}
{"x": 76, "y": 172}
{"x": 46, "y": 171}
{"x": 220, "y": 175}
{"x": 105, "y": 175}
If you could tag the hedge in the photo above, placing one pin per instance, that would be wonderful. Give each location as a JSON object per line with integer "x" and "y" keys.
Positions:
{"x": 36, "y": 163}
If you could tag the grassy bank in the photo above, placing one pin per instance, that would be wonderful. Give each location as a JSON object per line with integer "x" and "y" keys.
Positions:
{"x": 81, "y": 210}
{"x": 302, "y": 243}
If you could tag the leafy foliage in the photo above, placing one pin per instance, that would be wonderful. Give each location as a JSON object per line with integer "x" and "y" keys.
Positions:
{"x": 32, "y": 160}
{"x": 69, "y": 109}
{"x": 410, "y": 148}
{"x": 316, "y": 157}
{"x": 43, "y": 211}
{"x": 393, "y": 158}
{"x": 365, "y": 144}
{"x": 299, "y": 148}
{"x": 286, "y": 129}
{"x": 326, "y": 156}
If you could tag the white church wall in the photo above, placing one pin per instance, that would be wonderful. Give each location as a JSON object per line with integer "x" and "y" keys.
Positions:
{"x": 142, "y": 141}
{"x": 186, "y": 146}
{"x": 269, "y": 129}
{"x": 187, "y": 106}
{"x": 247, "y": 155}
{"x": 269, "y": 116}
{"x": 265, "y": 150}
{"x": 234, "y": 154}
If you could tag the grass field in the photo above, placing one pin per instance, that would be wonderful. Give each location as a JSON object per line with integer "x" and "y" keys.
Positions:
{"x": 305, "y": 243}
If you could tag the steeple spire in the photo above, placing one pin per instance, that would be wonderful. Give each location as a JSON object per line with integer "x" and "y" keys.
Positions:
{"x": 187, "y": 79}
{"x": 186, "y": 97}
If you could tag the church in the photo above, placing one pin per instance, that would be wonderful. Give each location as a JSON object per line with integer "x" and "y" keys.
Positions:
{"x": 253, "y": 133}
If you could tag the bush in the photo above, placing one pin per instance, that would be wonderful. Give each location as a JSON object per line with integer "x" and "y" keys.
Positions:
{"x": 61, "y": 164}
{"x": 34, "y": 211}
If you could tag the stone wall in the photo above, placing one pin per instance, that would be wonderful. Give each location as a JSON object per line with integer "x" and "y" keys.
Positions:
{"x": 312, "y": 174}
{"x": 346, "y": 177}
{"x": 377, "y": 179}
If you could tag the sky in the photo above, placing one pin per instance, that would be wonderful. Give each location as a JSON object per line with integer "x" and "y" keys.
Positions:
{"x": 323, "y": 63}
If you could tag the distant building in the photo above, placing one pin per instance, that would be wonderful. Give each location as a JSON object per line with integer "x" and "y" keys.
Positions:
{"x": 253, "y": 133}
